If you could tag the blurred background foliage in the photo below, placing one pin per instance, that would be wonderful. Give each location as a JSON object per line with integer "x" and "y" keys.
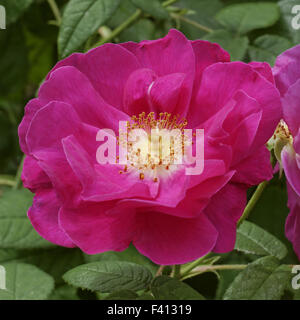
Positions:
{"x": 41, "y": 32}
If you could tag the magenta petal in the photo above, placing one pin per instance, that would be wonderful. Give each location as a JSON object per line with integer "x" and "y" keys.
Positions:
{"x": 167, "y": 94}
{"x": 291, "y": 107}
{"x": 291, "y": 169}
{"x": 136, "y": 92}
{"x": 171, "y": 240}
{"x": 69, "y": 85}
{"x": 231, "y": 201}
{"x": 44, "y": 217}
{"x": 287, "y": 69}
{"x": 254, "y": 169}
{"x": 30, "y": 110}
{"x": 263, "y": 69}
{"x": 292, "y": 226}
{"x": 94, "y": 231}
{"x": 107, "y": 67}
{"x": 227, "y": 79}
{"x": 33, "y": 176}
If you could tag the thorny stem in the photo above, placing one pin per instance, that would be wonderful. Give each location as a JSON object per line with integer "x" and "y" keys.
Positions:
{"x": 252, "y": 202}
{"x": 186, "y": 270}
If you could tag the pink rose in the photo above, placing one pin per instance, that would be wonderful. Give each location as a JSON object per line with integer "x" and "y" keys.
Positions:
{"x": 287, "y": 76}
{"x": 169, "y": 216}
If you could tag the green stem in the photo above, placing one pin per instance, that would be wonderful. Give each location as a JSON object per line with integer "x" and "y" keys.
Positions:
{"x": 252, "y": 202}
{"x": 127, "y": 23}
{"x": 18, "y": 174}
{"x": 186, "y": 270}
{"x": 191, "y": 22}
{"x": 7, "y": 182}
{"x": 55, "y": 11}
{"x": 176, "y": 271}
{"x": 159, "y": 271}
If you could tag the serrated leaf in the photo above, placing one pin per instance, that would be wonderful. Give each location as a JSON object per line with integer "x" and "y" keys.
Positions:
{"x": 236, "y": 46}
{"x": 245, "y": 17}
{"x": 109, "y": 276}
{"x": 14, "y": 9}
{"x": 268, "y": 47}
{"x": 26, "y": 282}
{"x": 122, "y": 295}
{"x": 166, "y": 288}
{"x": 80, "y": 20}
{"x": 263, "y": 279}
{"x": 290, "y": 19}
{"x": 129, "y": 255}
{"x": 153, "y": 7}
{"x": 16, "y": 230}
{"x": 255, "y": 240}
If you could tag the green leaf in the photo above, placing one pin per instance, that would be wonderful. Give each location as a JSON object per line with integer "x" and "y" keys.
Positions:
{"x": 236, "y": 46}
{"x": 263, "y": 279}
{"x": 166, "y": 288}
{"x": 81, "y": 19}
{"x": 202, "y": 12}
{"x": 56, "y": 261}
{"x": 14, "y": 9}
{"x": 129, "y": 255}
{"x": 26, "y": 282}
{"x": 268, "y": 47}
{"x": 153, "y": 7}
{"x": 255, "y": 240}
{"x": 245, "y": 17}
{"x": 16, "y": 230}
{"x": 109, "y": 276}
{"x": 288, "y": 17}
{"x": 122, "y": 295}
{"x": 64, "y": 292}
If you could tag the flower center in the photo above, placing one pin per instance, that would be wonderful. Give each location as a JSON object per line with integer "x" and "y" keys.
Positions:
{"x": 154, "y": 145}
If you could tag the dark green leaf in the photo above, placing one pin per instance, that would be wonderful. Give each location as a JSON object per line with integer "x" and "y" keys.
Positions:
{"x": 268, "y": 47}
{"x": 26, "y": 282}
{"x": 290, "y": 19}
{"x": 109, "y": 276}
{"x": 14, "y": 9}
{"x": 166, "y": 288}
{"x": 122, "y": 295}
{"x": 81, "y": 19}
{"x": 246, "y": 17}
{"x": 16, "y": 230}
{"x": 263, "y": 279}
{"x": 153, "y": 7}
{"x": 253, "y": 239}
{"x": 236, "y": 46}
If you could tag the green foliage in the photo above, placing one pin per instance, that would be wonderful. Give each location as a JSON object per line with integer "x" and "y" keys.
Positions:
{"x": 264, "y": 279}
{"x": 15, "y": 8}
{"x": 109, "y": 276}
{"x": 16, "y": 230}
{"x": 242, "y": 18}
{"x": 235, "y": 45}
{"x": 80, "y": 20}
{"x": 253, "y": 239}
{"x": 153, "y": 7}
{"x": 166, "y": 288}
{"x": 268, "y": 47}
{"x": 287, "y": 17}
{"x": 26, "y": 282}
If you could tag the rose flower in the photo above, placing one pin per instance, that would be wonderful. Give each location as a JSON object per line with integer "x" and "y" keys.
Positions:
{"x": 169, "y": 216}
{"x": 287, "y": 76}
